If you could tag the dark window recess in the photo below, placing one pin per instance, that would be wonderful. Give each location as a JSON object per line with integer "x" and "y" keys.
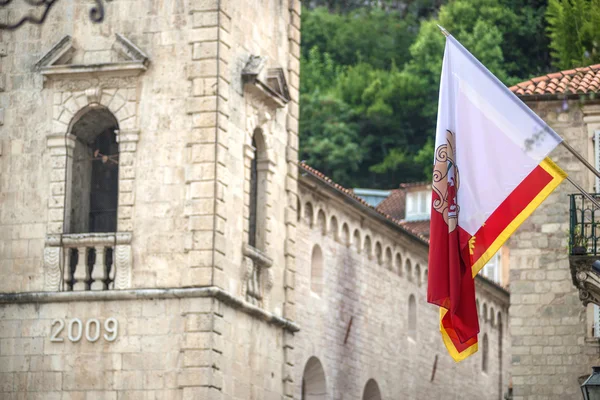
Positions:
{"x": 94, "y": 181}
{"x": 253, "y": 198}
{"x": 105, "y": 184}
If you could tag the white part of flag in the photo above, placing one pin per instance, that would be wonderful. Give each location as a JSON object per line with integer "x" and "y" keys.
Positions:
{"x": 499, "y": 140}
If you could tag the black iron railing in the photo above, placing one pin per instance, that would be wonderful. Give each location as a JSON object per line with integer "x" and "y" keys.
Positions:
{"x": 584, "y": 224}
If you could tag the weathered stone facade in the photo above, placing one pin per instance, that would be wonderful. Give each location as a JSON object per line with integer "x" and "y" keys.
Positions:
{"x": 551, "y": 342}
{"x": 179, "y": 302}
{"x": 359, "y": 326}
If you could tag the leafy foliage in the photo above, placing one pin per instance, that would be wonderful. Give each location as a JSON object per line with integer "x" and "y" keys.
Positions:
{"x": 370, "y": 77}
{"x": 574, "y": 31}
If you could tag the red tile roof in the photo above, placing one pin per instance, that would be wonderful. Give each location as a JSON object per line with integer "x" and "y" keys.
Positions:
{"x": 394, "y": 204}
{"x": 420, "y": 227}
{"x": 322, "y": 177}
{"x": 573, "y": 81}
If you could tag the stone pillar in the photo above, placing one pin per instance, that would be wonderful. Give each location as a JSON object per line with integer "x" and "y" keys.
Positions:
{"x": 291, "y": 188}
{"x": 127, "y": 150}
{"x": 206, "y": 174}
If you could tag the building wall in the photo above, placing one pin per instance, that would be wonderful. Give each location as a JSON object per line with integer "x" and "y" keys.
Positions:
{"x": 144, "y": 361}
{"x": 185, "y": 134}
{"x": 358, "y": 327}
{"x": 185, "y": 125}
{"x": 550, "y": 344}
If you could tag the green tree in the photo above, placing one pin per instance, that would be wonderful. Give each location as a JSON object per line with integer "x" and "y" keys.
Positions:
{"x": 372, "y": 35}
{"x": 330, "y": 137}
{"x": 370, "y": 78}
{"x": 574, "y": 32}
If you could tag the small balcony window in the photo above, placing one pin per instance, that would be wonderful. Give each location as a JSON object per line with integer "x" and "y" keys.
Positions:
{"x": 418, "y": 205}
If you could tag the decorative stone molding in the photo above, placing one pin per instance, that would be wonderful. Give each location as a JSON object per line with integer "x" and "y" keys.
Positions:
{"x": 257, "y": 276}
{"x": 63, "y": 273}
{"x": 123, "y": 262}
{"x": 56, "y": 62}
{"x": 52, "y": 263}
{"x": 151, "y": 294}
{"x": 267, "y": 83}
{"x": 585, "y": 279}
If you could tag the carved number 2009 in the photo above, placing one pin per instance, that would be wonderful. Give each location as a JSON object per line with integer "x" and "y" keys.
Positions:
{"x": 92, "y": 330}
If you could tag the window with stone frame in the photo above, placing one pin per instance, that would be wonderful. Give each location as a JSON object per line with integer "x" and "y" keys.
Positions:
{"x": 256, "y": 218}
{"x": 91, "y": 199}
{"x": 256, "y": 274}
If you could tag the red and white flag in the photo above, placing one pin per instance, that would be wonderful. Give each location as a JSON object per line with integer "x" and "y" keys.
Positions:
{"x": 490, "y": 173}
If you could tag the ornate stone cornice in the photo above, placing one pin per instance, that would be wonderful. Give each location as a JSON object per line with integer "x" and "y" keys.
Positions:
{"x": 585, "y": 278}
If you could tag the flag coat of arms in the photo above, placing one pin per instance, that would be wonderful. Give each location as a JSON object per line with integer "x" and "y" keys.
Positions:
{"x": 490, "y": 173}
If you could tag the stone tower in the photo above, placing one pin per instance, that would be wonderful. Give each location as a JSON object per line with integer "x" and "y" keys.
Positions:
{"x": 148, "y": 192}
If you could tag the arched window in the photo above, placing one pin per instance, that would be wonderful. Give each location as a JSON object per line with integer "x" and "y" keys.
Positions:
{"x": 399, "y": 264}
{"x": 388, "y": 258}
{"x": 484, "y": 353}
{"x": 412, "y": 317}
{"x": 409, "y": 270}
{"x": 356, "y": 239}
{"x": 333, "y": 228}
{"x": 367, "y": 246}
{"x": 321, "y": 222}
{"x": 314, "y": 385}
{"x": 308, "y": 214}
{"x": 346, "y": 234}
{"x": 316, "y": 270}
{"x": 418, "y": 274}
{"x": 378, "y": 253}
{"x": 372, "y": 391}
{"x": 256, "y": 231}
{"x": 94, "y": 183}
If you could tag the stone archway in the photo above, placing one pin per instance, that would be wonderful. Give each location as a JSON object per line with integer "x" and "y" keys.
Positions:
{"x": 372, "y": 391}
{"x": 314, "y": 385}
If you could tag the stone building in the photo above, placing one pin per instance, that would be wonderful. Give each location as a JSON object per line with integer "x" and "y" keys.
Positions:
{"x": 555, "y": 339}
{"x": 159, "y": 240}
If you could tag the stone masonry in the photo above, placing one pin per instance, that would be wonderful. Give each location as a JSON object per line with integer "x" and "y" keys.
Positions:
{"x": 551, "y": 345}
{"x": 160, "y": 309}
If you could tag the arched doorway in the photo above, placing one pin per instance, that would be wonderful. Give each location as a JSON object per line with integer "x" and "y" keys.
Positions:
{"x": 372, "y": 391}
{"x": 314, "y": 386}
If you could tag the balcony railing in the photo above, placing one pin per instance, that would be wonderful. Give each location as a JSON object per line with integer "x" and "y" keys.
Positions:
{"x": 88, "y": 261}
{"x": 584, "y": 225}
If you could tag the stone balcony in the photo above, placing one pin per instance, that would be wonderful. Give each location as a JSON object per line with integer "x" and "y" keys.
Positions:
{"x": 584, "y": 249}
{"x": 87, "y": 261}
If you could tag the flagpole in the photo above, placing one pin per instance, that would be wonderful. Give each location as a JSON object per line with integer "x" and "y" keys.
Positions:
{"x": 583, "y": 192}
{"x": 580, "y": 158}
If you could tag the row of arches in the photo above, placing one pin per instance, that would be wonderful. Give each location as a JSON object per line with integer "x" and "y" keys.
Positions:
{"x": 314, "y": 383}
{"x": 488, "y": 315}
{"x": 396, "y": 260}
{"x": 317, "y": 283}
